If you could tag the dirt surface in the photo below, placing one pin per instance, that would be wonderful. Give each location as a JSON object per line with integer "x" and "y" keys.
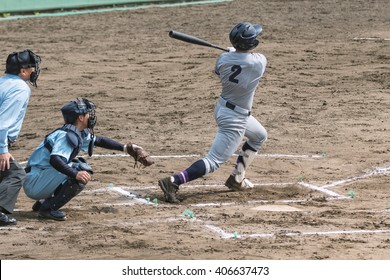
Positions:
{"x": 322, "y": 178}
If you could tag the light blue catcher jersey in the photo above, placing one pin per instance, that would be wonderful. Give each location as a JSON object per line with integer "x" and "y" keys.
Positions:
{"x": 60, "y": 146}
{"x": 240, "y": 74}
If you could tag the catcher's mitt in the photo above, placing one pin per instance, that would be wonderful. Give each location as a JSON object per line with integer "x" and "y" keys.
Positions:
{"x": 139, "y": 154}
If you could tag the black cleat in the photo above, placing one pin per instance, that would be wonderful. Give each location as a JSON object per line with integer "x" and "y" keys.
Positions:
{"x": 169, "y": 188}
{"x": 36, "y": 206}
{"x": 235, "y": 186}
{"x": 6, "y": 221}
{"x": 52, "y": 214}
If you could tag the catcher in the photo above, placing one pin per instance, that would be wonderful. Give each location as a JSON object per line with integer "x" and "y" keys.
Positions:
{"x": 54, "y": 172}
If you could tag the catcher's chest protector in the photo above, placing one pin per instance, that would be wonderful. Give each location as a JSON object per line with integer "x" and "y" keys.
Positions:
{"x": 74, "y": 137}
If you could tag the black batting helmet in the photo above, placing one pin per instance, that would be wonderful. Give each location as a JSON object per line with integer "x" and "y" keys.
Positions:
{"x": 80, "y": 106}
{"x": 24, "y": 59}
{"x": 243, "y": 36}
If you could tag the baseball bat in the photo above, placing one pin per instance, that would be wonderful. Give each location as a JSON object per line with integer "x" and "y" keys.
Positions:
{"x": 193, "y": 40}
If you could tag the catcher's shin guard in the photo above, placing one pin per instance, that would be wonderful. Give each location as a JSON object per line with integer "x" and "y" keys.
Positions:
{"x": 63, "y": 194}
{"x": 245, "y": 158}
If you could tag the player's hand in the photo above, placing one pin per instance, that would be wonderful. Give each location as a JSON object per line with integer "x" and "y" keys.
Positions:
{"x": 5, "y": 161}
{"x": 83, "y": 177}
{"x": 231, "y": 49}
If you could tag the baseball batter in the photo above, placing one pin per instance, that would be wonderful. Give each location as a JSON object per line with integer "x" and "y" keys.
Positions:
{"x": 240, "y": 71}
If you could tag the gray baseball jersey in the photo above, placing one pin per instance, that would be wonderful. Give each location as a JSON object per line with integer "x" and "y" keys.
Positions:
{"x": 240, "y": 74}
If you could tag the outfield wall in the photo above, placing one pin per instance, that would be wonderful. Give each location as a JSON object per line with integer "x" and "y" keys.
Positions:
{"x": 24, "y": 6}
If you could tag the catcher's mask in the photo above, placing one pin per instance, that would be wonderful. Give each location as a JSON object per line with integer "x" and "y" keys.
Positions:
{"x": 243, "y": 36}
{"x": 24, "y": 59}
{"x": 80, "y": 106}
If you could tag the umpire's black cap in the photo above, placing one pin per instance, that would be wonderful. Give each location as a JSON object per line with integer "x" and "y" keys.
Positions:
{"x": 19, "y": 60}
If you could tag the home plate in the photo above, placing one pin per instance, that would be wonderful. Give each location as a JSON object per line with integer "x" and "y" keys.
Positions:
{"x": 281, "y": 208}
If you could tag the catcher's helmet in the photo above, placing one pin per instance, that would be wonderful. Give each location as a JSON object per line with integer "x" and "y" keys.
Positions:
{"x": 243, "y": 36}
{"x": 80, "y": 106}
{"x": 24, "y": 59}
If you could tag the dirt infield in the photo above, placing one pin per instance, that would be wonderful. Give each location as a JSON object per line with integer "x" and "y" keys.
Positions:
{"x": 322, "y": 179}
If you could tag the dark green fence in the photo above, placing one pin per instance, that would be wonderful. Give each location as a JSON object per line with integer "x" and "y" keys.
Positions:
{"x": 25, "y": 6}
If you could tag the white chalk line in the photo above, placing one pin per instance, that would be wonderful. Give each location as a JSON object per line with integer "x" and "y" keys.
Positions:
{"x": 198, "y": 155}
{"x": 12, "y": 228}
{"x": 151, "y": 187}
{"x": 370, "y": 39}
{"x": 129, "y": 195}
{"x": 110, "y": 223}
{"x": 378, "y": 171}
{"x": 213, "y": 204}
{"x": 332, "y": 195}
{"x": 282, "y": 201}
{"x": 120, "y": 190}
{"x": 227, "y": 235}
{"x": 321, "y": 189}
{"x": 126, "y": 155}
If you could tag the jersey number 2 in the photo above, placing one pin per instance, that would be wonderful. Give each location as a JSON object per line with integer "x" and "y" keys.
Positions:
{"x": 236, "y": 69}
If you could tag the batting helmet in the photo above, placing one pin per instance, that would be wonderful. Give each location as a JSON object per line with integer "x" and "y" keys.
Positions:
{"x": 24, "y": 59}
{"x": 243, "y": 36}
{"x": 81, "y": 106}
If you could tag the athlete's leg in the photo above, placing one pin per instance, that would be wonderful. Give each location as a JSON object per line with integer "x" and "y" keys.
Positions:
{"x": 11, "y": 181}
{"x": 41, "y": 184}
{"x": 256, "y": 135}
{"x": 62, "y": 195}
{"x": 231, "y": 129}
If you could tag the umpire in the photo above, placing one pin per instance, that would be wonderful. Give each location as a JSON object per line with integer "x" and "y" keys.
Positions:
{"x": 21, "y": 68}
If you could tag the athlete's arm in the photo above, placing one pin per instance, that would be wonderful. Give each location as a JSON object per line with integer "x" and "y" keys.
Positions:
{"x": 108, "y": 143}
{"x": 59, "y": 163}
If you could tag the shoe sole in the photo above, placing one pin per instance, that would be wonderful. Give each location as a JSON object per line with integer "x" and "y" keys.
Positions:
{"x": 168, "y": 197}
{"x": 51, "y": 218}
{"x": 232, "y": 187}
{"x": 5, "y": 224}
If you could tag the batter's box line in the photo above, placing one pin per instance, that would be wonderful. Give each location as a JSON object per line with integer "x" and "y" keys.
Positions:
{"x": 152, "y": 187}
{"x": 121, "y": 190}
{"x": 378, "y": 171}
{"x": 281, "y": 201}
{"x": 323, "y": 190}
{"x": 136, "y": 199}
{"x": 227, "y": 235}
{"x": 331, "y": 194}
{"x": 370, "y": 39}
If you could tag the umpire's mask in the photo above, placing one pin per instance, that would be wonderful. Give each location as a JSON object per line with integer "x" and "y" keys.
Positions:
{"x": 24, "y": 59}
